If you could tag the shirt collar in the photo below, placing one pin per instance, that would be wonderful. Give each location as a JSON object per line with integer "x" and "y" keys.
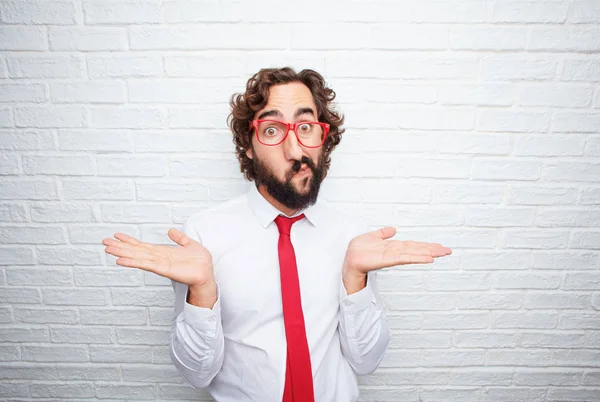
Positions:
{"x": 266, "y": 213}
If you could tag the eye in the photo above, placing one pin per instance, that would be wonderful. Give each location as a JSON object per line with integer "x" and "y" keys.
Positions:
{"x": 304, "y": 127}
{"x": 271, "y": 131}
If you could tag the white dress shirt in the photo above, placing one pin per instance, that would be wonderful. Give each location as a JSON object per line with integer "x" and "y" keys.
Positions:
{"x": 237, "y": 348}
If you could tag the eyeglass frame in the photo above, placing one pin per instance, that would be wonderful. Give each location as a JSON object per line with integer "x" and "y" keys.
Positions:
{"x": 290, "y": 126}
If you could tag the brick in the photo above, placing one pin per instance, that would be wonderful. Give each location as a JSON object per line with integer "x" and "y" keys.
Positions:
{"x": 541, "y": 195}
{"x": 173, "y": 190}
{"x": 582, "y": 281}
{"x": 455, "y": 321}
{"x": 46, "y": 315}
{"x": 113, "y": 316}
{"x": 419, "y": 302}
{"x": 417, "y": 340}
{"x": 36, "y": 65}
{"x": 12, "y": 213}
{"x": 81, "y": 335}
{"x": 49, "y": 212}
{"x": 489, "y": 301}
{"x": 196, "y": 167}
{"x": 552, "y": 340}
{"x": 59, "y": 353}
{"x": 485, "y": 339}
{"x": 553, "y": 95}
{"x": 22, "y": 38}
{"x": 481, "y": 376}
{"x": 138, "y": 213}
{"x": 24, "y": 371}
{"x": 564, "y": 260}
{"x": 59, "y": 165}
{"x": 574, "y": 357}
{"x": 584, "y": 11}
{"x": 563, "y": 38}
{"x": 589, "y": 195}
{"x": 452, "y": 281}
{"x": 468, "y": 193}
{"x": 98, "y": 189}
{"x": 182, "y": 141}
{"x": 9, "y": 165}
{"x": 574, "y": 394}
{"x": 464, "y": 37}
{"x": 9, "y": 353}
{"x": 571, "y": 171}
{"x": 23, "y": 92}
{"x": 210, "y": 36}
{"x": 421, "y": 118}
{"x": 591, "y": 378}
{"x": 33, "y": 276}
{"x": 519, "y": 280}
{"x": 154, "y": 374}
{"x": 486, "y": 94}
{"x": 6, "y": 315}
{"x": 38, "y": 12}
{"x": 518, "y": 68}
{"x": 31, "y": 235}
{"x": 530, "y": 12}
{"x": 88, "y": 234}
{"x": 129, "y": 391}
{"x": 124, "y": 65}
{"x": 15, "y": 295}
{"x": 89, "y": 92}
{"x": 549, "y": 145}
{"x": 122, "y": 12}
{"x": 442, "y": 11}
{"x": 435, "y": 168}
{"x": 95, "y": 140}
{"x": 142, "y": 297}
{"x": 62, "y": 390}
{"x": 495, "y": 120}
{"x": 79, "y": 372}
{"x": 545, "y": 377}
{"x": 6, "y": 117}
{"x": 50, "y": 116}
{"x": 26, "y": 140}
{"x": 557, "y": 300}
{"x": 378, "y": 65}
{"x": 534, "y": 320}
{"x": 175, "y": 91}
{"x": 108, "y": 277}
{"x": 581, "y": 70}
{"x": 14, "y": 389}
{"x": 17, "y": 256}
{"x": 88, "y": 39}
{"x": 184, "y": 66}
{"x": 120, "y": 354}
{"x": 404, "y": 321}
{"x": 519, "y": 357}
{"x": 496, "y": 261}
{"x": 593, "y": 146}
{"x": 514, "y": 394}
{"x": 575, "y": 122}
{"x": 586, "y": 239}
{"x": 209, "y": 11}
{"x": 161, "y": 316}
{"x": 139, "y": 166}
{"x": 53, "y": 255}
{"x": 75, "y": 297}
{"x": 432, "y": 216}
{"x": 505, "y": 169}
{"x": 536, "y": 239}
{"x": 205, "y": 117}
{"x": 127, "y": 117}
{"x": 567, "y": 217}
{"x": 142, "y": 336}
{"x": 499, "y": 216}
{"x": 453, "y": 358}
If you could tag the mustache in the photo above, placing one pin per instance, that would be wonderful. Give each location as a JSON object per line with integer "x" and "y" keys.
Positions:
{"x": 298, "y": 164}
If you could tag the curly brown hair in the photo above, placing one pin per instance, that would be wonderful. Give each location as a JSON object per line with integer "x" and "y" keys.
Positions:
{"x": 244, "y": 107}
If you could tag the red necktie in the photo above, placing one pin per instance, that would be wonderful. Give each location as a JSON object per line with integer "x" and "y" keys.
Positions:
{"x": 298, "y": 373}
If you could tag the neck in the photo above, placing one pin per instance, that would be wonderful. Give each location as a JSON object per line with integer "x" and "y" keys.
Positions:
{"x": 287, "y": 211}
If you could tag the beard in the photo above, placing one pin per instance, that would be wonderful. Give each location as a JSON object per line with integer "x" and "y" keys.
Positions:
{"x": 285, "y": 191}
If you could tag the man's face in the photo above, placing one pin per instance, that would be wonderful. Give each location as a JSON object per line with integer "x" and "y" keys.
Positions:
{"x": 291, "y": 173}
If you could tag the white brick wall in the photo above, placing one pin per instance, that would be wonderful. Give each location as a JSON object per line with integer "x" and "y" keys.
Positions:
{"x": 475, "y": 123}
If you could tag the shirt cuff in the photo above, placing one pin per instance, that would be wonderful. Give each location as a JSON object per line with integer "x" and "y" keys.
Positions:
{"x": 200, "y": 317}
{"x": 359, "y": 300}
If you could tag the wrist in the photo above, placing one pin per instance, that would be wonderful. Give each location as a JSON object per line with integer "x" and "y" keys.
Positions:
{"x": 203, "y": 295}
{"x": 354, "y": 280}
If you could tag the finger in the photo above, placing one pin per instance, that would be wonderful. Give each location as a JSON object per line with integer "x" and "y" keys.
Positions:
{"x": 128, "y": 239}
{"x": 404, "y": 259}
{"x": 127, "y": 252}
{"x": 179, "y": 237}
{"x": 386, "y": 232}
{"x": 435, "y": 249}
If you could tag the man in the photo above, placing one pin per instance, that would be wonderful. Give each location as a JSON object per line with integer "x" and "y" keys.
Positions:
{"x": 275, "y": 293}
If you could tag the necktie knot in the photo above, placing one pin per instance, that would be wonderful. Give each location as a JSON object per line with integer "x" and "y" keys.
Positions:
{"x": 284, "y": 224}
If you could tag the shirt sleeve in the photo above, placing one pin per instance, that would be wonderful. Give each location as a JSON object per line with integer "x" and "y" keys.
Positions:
{"x": 363, "y": 327}
{"x": 196, "y": 338}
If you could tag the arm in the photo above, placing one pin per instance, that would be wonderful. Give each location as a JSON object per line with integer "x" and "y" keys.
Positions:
{"x": 364, "y": 332}
{"x": 196, "y": 339}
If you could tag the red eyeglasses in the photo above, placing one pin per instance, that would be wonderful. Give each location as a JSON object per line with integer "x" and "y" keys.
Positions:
{"x": 311, "y": 134}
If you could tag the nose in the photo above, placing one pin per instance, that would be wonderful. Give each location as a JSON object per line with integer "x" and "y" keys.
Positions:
{"x": 291, "y": 146}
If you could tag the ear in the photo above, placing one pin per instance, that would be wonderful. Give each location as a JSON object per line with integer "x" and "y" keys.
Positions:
{"x": 249, "y": 153}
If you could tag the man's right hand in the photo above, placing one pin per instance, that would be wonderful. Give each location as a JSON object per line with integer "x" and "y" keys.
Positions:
{"x": 189, "y": 263}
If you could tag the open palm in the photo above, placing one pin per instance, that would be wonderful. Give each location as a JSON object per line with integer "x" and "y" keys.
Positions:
{"x": 372, "y": 250}
{"x": 189, "y": 262}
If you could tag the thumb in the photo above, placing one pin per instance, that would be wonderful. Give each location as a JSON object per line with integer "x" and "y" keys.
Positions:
{"x": 179, "y": 237}
{"x": 386, "y": 232}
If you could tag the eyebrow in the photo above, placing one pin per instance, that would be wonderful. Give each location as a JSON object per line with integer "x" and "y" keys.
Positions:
{"x": 277, "y": 113}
